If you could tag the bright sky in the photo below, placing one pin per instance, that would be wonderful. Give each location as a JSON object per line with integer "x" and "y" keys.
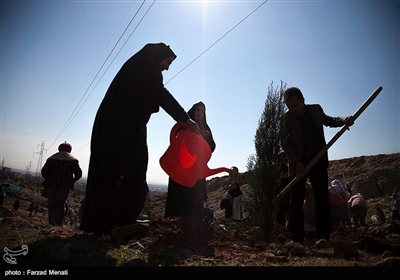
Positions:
{"x": 59, "y": 57}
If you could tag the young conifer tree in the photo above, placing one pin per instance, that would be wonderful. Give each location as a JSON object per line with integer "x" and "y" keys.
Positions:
{"x": 263, "y": 166}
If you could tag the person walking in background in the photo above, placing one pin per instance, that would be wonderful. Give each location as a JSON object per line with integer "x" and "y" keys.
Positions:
{"x": 358, "y": 207}
{"x": 302, "y": 138}
{"x": 116, "y": 187}
{"x": 60, "y": 172}
{"x": 283, "y": 206}
{"x": 184, "y": 201}
{"x": 395, "y": 207}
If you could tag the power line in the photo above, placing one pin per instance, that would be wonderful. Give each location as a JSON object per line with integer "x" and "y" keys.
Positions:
{"x": 217, "y": 40}
{"x": 111, "y": 63}
{"x": 76, "y": 110}
{"x": 91, "y": 70}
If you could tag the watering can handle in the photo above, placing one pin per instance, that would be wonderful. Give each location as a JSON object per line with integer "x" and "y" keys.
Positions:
{"x": 175, "y": 129}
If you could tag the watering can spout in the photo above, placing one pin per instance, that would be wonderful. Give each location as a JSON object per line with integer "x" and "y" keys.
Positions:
{"x": 185, "y": 160}
{"x": 233, "y": 171}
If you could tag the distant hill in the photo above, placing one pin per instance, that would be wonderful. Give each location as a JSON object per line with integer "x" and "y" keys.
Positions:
{"x": 157, "y": 187}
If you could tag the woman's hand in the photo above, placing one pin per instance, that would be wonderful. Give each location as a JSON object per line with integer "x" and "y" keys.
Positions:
{"x": 192, "y": 126}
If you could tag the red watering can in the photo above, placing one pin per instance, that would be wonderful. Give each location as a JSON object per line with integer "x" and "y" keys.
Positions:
{"x": 186, "y": 158}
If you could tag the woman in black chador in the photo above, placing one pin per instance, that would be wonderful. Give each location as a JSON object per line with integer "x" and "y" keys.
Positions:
{"x": 116, "y": 187}
{"x": 189, "y": 202}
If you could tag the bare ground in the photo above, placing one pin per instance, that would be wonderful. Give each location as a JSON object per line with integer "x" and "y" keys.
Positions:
{"x": 190, "y": 242}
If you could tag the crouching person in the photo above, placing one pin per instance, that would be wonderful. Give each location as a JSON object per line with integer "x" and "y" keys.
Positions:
{"x": 358, "y": 206}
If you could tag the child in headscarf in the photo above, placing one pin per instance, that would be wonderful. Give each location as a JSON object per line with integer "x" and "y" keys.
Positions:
{"x": 189, "y": 202}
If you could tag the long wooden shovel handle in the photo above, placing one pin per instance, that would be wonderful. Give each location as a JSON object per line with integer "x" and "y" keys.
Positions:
{"x": 330, "y": 143}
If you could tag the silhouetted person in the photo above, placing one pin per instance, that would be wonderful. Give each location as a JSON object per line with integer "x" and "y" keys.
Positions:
{"x": 116, "y": 188}
{"x": 358, "y": 207}
{"x": 60, "y": 172}
{"x": 302, "y": 138}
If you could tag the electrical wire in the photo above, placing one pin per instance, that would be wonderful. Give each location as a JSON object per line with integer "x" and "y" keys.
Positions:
{"x": 230, "y": 30}
{"x": 76, "y": 110}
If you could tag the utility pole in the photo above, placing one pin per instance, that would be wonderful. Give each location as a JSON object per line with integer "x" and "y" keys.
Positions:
{"x": 28, "y": 168}
{"x": 39, "y": 166}
{"x": 2, "y": 168}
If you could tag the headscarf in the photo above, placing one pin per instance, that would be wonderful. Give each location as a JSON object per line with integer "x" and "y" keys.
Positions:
{"x": 153, "y": 53}
{"x": 236, "y": 191}
{"x": 203, "y": 123}
{"x": 139, "y": 82}
{"x": 337, "y": 186}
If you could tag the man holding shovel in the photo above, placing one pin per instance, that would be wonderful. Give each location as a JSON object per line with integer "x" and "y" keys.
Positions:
{"x": 302, "y": 138}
